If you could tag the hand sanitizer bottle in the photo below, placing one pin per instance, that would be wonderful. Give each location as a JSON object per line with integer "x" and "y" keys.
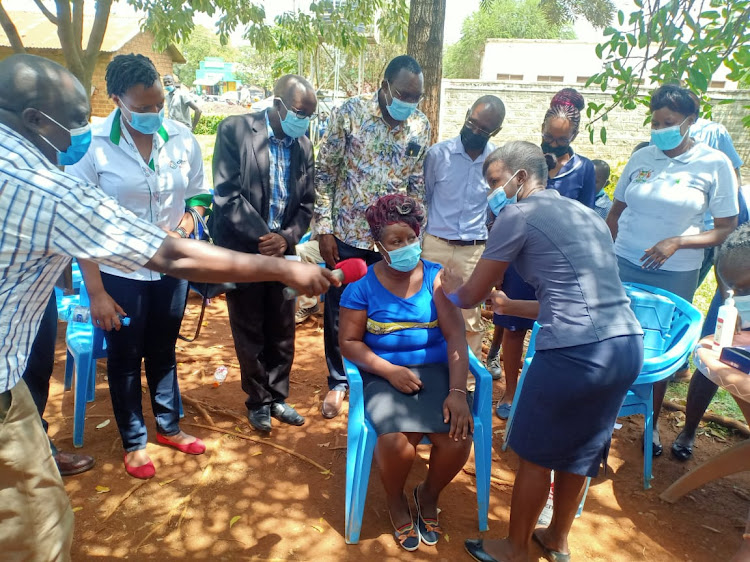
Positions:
{"x": 725, "y": 323}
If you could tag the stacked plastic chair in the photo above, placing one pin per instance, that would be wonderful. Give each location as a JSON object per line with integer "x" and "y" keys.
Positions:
{"x": 361, "y": 439}
{"x": 671, "y": 328}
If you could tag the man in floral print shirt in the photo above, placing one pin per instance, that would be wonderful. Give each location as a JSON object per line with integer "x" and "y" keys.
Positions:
{"x": 375, "y": 145}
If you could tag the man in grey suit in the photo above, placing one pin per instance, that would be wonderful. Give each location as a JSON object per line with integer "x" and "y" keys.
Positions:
{"x": 263, "y": 171}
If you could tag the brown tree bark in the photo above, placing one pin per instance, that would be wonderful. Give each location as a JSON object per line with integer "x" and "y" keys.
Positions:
{"x": 10, "y": 30}
{"x": 425, "y": 43}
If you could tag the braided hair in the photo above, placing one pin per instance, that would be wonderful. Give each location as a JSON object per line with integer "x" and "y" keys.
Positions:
{"x": 566, "y": 104}
{"x": 393, "y": 209}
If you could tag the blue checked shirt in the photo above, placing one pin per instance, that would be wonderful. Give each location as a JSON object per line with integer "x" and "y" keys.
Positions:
{"x": 280, "y": 158}
{"x": 47, "y": 217}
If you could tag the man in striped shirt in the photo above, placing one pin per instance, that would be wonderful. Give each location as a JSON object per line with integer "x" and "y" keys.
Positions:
{"x": 47, "y": 217}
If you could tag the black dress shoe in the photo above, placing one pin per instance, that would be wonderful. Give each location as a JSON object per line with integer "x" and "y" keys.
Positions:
{"x": 260, "y": 418}
{"x": 286, "y": 414}
{"x": 682, "y": 452}
{"x": 475, "y": 548}
{"x": 71, "y": 463}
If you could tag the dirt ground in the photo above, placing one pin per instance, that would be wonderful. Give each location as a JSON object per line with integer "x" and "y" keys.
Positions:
{"x": 248, "y": 500}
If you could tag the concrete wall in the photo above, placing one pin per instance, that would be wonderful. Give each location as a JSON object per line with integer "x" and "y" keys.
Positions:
{"x": 525, "y": 105}
{"x": 556, "y": 61}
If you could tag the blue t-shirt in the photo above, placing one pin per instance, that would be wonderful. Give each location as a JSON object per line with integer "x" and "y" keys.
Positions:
{"x": 576, "y": 180}
{"x": 410, "y": 346}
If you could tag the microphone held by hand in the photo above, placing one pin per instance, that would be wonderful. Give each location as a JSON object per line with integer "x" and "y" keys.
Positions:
{"x": 346, "y": 271}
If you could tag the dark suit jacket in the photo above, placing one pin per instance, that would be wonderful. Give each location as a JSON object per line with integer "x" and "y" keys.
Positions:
{"x": 242, "y": 189}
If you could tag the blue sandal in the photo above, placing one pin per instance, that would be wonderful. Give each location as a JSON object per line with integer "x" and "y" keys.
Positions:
{"x": 503, "y": 411}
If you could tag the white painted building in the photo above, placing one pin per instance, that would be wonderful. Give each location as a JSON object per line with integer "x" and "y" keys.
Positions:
{"x": 553, "y": 61}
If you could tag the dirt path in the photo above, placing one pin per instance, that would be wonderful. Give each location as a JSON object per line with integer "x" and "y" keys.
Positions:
{"x": 245, "y": 500}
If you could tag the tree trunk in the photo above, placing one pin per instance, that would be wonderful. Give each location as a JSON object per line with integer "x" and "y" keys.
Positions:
{"x": 16, "y": 42}
{"x": 425, "y": 43}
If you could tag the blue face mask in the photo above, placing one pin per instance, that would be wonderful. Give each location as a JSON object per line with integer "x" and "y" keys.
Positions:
{"x": 80, "y": 141}
{"x": 405, "y": 258}
{"x": 292, "y": 125}
{"x": 668, "y": 138}
{"x": 497, "y": 200}
{"x": 398, "y": 109}
{"x": 169, "y": 89}
{"x": 146, "y": 123}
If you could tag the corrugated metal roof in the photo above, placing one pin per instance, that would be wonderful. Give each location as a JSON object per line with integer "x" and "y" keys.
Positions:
{"x": 37, "y": 32}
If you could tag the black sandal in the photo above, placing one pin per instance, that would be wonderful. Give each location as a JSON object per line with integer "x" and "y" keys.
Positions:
{"x": 682, "y": 452}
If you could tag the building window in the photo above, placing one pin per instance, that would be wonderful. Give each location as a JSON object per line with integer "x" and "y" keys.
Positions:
{"x": 518, "y": 77}
{"x": 543, "y": 78}
{"x": 582, "y": 79}
{"x": 717, "y": 84}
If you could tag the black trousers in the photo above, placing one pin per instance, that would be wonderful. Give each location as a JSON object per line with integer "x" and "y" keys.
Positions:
{"x": 42, "y": 360}
{"x": 262, "y": 323}
{"x": 336, "y": 374}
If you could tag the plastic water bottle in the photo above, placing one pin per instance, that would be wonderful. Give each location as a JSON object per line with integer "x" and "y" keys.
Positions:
{"x": 220, "y": 375}
{"x": 546, "y": 516}
{"x": 80, "y": 313}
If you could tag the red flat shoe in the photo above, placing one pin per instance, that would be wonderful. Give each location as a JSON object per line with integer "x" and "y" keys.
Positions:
{"x": 196, "y": 447}
{"x": 144, "y": 472}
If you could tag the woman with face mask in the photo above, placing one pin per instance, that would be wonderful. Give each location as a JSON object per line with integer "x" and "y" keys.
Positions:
{"x": 408, "y": 340}
{"x": 589, "y": 349}
{"x": 657, "y": 217}
{"x": 574, "y": 177}
{"x": 153, "y": 167}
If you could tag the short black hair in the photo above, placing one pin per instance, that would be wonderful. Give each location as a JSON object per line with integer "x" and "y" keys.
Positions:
{"x": 736, "y": 248}
{"x": 126, "y": 71}
{"x": 674, "y": 98}
{"x": 401, "y": 62}
{"x": 601, "y": 165}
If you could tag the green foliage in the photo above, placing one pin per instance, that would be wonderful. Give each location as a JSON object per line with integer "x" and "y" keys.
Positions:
{"x": 501, "y": 19}
{"x": 202, "y": 43}
{"x": 343, "y": 26}
{"x": 672, "y": 41}
{"x": 208, "y": 124}
{"x": 558, "y": 12}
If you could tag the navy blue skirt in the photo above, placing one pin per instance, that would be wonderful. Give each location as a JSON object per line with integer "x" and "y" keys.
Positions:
{"x": 569, "y": 402}
{"x": 516, "y": 288}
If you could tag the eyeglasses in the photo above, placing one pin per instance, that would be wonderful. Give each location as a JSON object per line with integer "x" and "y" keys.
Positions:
{"x": 476, "y": 128}
{"x": 562, "y": 141}
{"x": 402, "y": 97}
{"x": 298, "y": 112}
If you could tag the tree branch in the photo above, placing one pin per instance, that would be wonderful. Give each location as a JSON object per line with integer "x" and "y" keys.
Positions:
{"x": 77, "y": 20}
{"x": 10, "y": 30}
{"x": 47, "y": 13}
{"x": 96, "y": 37}
{"x": 71, "y": 50}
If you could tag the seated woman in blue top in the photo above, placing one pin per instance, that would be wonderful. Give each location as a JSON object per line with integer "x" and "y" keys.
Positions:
{"x": 589, "y": 349}
{"x": 408, "y": 340}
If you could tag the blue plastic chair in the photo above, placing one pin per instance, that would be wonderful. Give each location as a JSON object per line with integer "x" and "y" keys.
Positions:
{"x": 85, "y": 344}
{"x": 682, "y": 334}
{"x": 361, "y": 439}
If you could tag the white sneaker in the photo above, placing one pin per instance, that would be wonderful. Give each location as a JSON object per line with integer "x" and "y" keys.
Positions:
{"x": 495, "y": 369}
{"x": 304, "y": 313}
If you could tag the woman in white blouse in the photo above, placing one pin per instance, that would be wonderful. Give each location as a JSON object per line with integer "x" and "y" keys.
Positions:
{"x": 153, "y": 167}
{"x": 657, "y": 218}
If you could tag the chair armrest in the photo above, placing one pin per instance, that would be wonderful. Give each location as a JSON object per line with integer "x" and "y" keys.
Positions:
{"x": 356, "y": 393}
{"x": 482, "y": 406}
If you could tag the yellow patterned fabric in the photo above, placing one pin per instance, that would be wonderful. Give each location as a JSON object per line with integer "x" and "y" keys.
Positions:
{"x": 382, "y": 328}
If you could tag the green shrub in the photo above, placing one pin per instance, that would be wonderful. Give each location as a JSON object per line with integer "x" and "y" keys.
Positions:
{"x": 208, "y": 124}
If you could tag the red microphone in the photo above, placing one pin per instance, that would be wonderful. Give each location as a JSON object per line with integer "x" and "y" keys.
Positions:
{"x": 346, "y": 271}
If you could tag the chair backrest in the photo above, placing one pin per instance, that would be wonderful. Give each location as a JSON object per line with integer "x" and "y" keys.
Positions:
{"x": 655, "y": 313}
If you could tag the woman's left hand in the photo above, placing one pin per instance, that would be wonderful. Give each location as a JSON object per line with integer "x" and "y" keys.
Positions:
{"x": 456, "y": 411}
{"x": 655, "y": 256}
